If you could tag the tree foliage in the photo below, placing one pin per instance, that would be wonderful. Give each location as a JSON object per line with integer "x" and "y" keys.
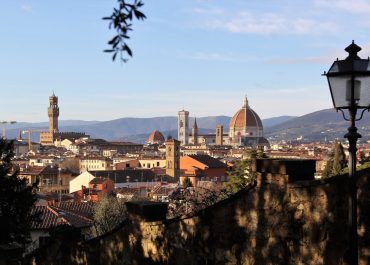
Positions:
{"x": 187, "y": 183}
{"x": 242, "y": 175}
{"x": 71, "y": 163}
{"x": 188, "y": 200}
{"x": 16, "y": 200}
{"x": 120, "y": 21}
{"x": 339, "y": 162}
{"x": 336, "y": 162}
{"x": 109, "y": 212}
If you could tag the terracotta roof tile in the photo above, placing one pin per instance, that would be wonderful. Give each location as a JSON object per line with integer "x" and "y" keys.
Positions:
{"x": 209, "y": 161}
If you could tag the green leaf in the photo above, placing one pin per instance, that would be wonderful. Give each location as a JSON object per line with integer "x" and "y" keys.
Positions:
{"x": 139, "y": 15}
{"x": 128, "y": 50}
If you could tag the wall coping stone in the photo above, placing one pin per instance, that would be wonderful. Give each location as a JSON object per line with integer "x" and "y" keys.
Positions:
{"x": 296, "y": 169}
{"x": 147, "y": 210}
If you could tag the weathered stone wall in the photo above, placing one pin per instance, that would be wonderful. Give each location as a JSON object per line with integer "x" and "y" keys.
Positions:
{"x": 285, "y": 219}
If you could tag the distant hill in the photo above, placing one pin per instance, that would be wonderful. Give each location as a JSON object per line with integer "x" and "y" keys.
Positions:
{"x": 62, "y": 123}
{"x": 276, "y": 120}
{"x": 320, "y": 125}
{"x": 133, "y": 129}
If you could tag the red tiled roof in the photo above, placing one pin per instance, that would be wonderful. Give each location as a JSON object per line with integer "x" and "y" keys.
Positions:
{"x": 245, "y": 117}
{"x": 48, "y": 218}
{"x": 39, "y": 170}
{"x": 98, "y": 180}
{"x": 209, "y": 161}
{"x": 66, "y": 213}
{"x": 82, "y": 208}
{"x": 156, "y": 136}
{"x": 74, "y": 219}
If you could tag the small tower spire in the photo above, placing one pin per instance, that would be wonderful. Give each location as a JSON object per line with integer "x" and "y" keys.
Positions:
{"x": 195, "y": 125}
{"x": 194, "y": 131}
{"x": 246, "y": 104}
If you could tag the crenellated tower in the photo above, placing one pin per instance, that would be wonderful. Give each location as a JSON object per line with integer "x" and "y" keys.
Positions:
{"x": 53, "y": 113}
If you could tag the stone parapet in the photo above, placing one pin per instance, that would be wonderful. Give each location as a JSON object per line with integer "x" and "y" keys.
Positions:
{"x": 147, "y": 210}
{"x": 288, "y": 218}
{"x": 295, "y": 169}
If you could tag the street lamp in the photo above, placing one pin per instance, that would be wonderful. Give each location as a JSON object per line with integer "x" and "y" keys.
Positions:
{"x": 349, "y": 83}
{"x": 4, "y": 126}
{"x": 60, "y": 184}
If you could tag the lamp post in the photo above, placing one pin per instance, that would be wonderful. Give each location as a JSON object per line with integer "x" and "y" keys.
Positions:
{"x": 349, "y": 83}
{"x": 60, "y": 184}
{"x": 4, "y": 126}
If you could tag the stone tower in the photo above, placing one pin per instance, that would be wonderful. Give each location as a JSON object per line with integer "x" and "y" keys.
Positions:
{"x": 194, "y": 132}
{"x": 173, "y": 158}
{"x": 219, "y": 134}
{"x": 53, "y": 113}
{"x": 183, "y": 127}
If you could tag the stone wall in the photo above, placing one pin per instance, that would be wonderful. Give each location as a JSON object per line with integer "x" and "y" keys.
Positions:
{"x": 287, "y": 218}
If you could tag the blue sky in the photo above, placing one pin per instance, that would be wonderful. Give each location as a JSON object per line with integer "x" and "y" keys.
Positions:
{"x": 202, "y": 55}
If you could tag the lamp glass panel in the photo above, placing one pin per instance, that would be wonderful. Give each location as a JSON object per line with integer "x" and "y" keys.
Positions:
{"x": 356, "y": 90}
{"x": 361, "y": 65}
{"x": 340, "y": 87}
{"x": 364, "y": 101}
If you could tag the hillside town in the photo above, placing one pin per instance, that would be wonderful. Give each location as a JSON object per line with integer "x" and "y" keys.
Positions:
{"x": 74, "y": 172}
{"x": 129, "y": 141}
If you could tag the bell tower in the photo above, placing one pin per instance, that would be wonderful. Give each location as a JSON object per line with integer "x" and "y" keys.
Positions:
{"x": 173, "y": 158}
{"x": 53, "y": 113}
{"x": 183, "y": 127}
{"x": 219, "y": 134}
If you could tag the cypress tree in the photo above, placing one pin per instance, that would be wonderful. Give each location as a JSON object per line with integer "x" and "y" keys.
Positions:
{"x": 336, "y": 161}
{"x": 16, "y": 200}
{"x": 339, "y": 161}
{"x": 242, "y": 175}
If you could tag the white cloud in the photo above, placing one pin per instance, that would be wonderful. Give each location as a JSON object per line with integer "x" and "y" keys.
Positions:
{"x": 365, "y": 52}
{"x": 265, "y": 23}
{"x": 353, "y": 6}
{"x": 323, "y": 59}
{"x": 212, "y": 56}
{"x": 26, "y": 7}
{"x": 212, "y": 11}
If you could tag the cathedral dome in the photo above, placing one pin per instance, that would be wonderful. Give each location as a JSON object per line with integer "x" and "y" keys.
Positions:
{"x": 155, "y": 137}
{"x": 246, "y": 127}
{"x": 245, "y": 117}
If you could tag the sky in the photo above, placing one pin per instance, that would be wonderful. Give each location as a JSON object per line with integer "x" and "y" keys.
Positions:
{"x": 200, "y": 55}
